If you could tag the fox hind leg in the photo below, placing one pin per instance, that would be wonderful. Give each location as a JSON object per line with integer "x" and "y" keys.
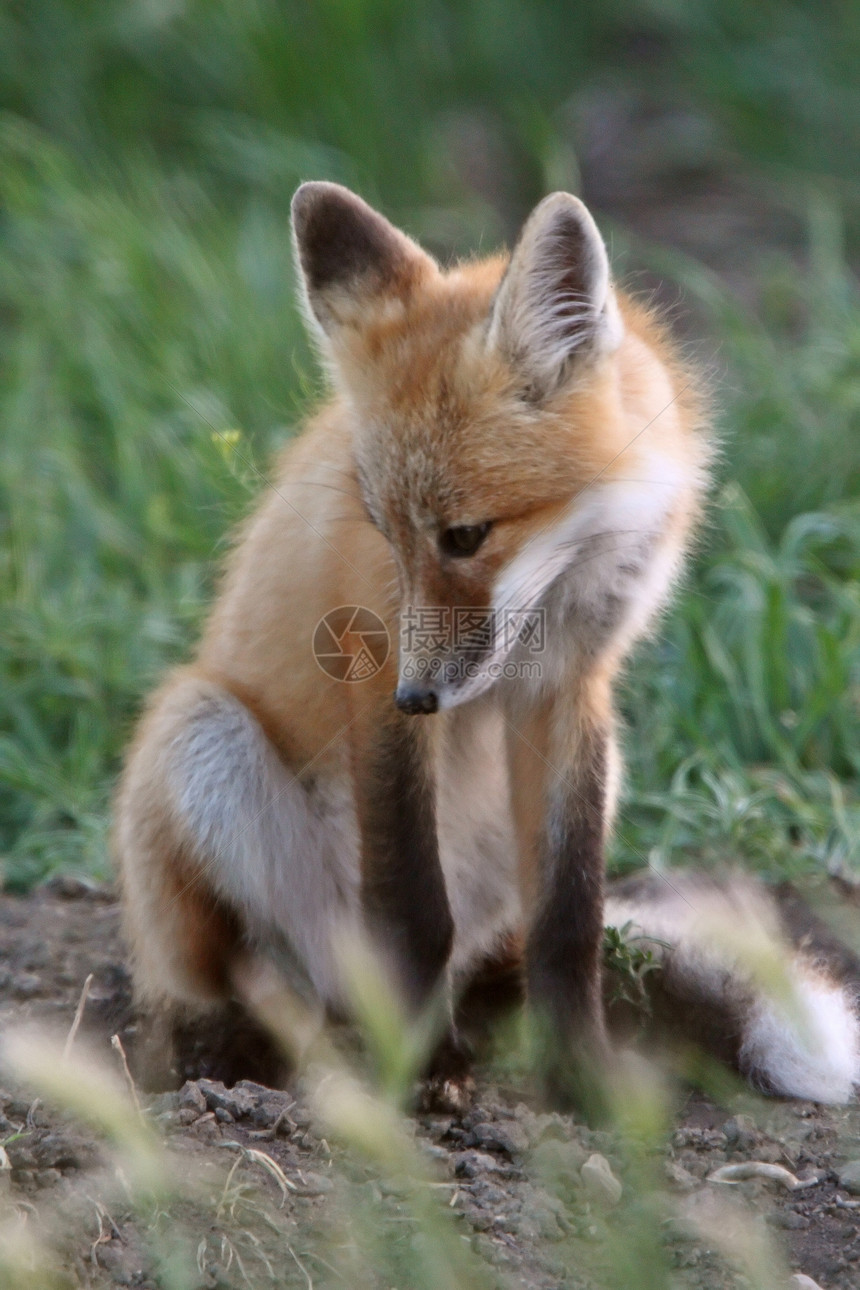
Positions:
{"x": 224, "y": 857}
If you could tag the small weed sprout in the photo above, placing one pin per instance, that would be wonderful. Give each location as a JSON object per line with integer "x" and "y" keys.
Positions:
{"x": 630, "y": 958}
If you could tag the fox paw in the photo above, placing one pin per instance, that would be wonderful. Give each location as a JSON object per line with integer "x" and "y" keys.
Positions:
{"x": 448, "y": 1086}
{"x": 447, "y": 1095}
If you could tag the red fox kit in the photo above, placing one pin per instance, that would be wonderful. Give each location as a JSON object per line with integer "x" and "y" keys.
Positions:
{"x": 502, "y": 487}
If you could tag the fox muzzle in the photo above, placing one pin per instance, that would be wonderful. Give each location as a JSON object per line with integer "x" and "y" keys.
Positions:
{"x": 416, "y": 701}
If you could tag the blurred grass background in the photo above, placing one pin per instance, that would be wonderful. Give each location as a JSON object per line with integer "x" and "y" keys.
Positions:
{"x": 148, "y": 152}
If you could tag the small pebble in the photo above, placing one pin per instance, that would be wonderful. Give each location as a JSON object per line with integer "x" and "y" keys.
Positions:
{"x": 788, "y": 1219}
{"x": 472, "y": 1164}
{"x": 26, "y": 986}
{"x": 206, "y": 1128}
{"x": 559, "y": 1162}
{"x": 849, "y": 1177}
{"x": 191, "y": 1097}
{"x": 741, "y": 1133}
{"x": 599, "y": 1181}
{"x": 238, "y": 1101}
{"x": 681, "y": 1177}
{"x": 313, "y": 1184}
{"x": 510, "y": 1137}
{"x": 70, "y": 887}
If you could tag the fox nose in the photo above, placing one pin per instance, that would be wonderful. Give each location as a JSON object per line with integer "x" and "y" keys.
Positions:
{"x": 416, "y": 702}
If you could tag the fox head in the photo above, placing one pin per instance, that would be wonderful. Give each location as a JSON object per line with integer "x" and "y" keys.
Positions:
{"x": 520, "y": 439}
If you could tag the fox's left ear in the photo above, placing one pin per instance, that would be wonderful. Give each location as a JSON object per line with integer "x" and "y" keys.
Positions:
{"x": 351, "y": 258}
{"x": 556, "y": 305}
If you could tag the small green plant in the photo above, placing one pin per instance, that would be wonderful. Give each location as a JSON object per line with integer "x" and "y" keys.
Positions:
{"x": 629, "y": 960}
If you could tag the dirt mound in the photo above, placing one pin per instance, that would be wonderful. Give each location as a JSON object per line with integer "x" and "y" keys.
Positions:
{"x": 539, "y": 1200}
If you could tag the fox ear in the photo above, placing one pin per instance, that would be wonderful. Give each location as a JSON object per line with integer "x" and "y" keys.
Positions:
{"x": 556, "y": 303}
{"x": 350, "y": 255}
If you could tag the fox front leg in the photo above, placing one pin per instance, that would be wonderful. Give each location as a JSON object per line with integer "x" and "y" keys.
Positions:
{"x": 561, "y": 761}
{"x": 405, "y": 901}
{"x": 403, "y": 889}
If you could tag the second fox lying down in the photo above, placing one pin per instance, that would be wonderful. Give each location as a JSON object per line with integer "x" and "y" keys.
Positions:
{"x": 511, "y": 436}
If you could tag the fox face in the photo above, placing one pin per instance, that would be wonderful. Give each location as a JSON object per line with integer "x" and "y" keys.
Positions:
{"x": 519, "y": 439}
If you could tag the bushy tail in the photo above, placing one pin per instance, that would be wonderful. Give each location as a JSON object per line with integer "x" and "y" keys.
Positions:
{"x": 748, "y": 981}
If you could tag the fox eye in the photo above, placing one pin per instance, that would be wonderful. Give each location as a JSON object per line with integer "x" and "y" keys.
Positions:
{"x": 465, "y": 539}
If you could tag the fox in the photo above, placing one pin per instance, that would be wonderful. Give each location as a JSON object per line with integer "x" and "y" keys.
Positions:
{"x": 399, "y": 721}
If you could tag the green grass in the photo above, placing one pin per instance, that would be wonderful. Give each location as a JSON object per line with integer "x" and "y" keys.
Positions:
{"x": 147, "y": 157}
{"x": 745, "y": 714}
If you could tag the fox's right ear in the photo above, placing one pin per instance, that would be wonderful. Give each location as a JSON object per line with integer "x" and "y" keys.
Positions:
{"x": 350, "y": 257}
{"x": 555, "y": 307}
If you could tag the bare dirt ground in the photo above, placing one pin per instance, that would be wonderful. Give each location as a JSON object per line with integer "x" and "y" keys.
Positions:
{"x": 511, "y": 1176}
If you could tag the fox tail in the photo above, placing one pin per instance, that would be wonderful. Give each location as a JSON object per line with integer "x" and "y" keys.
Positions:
{"x": 750, "y": 975}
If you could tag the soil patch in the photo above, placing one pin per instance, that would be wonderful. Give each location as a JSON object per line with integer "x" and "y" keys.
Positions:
{"x": 270, "y": 1201}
